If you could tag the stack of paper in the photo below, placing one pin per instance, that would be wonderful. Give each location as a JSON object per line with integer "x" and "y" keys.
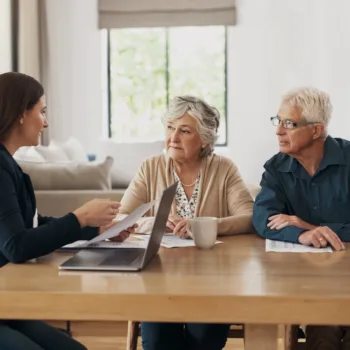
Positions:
{"x": 286, "y": 247}
{"x": 172, "y": 241}
{"x": 129, "y": 221}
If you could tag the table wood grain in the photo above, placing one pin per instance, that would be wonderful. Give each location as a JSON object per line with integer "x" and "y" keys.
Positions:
{"x": 235, "y": 282}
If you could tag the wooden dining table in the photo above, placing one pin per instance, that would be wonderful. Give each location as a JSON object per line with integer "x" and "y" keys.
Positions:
{"x": 236, "y": 282}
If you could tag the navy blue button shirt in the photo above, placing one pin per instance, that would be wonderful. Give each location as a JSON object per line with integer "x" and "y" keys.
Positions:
{"x": 19, "y": 241}
{"x": 322, "y": 199}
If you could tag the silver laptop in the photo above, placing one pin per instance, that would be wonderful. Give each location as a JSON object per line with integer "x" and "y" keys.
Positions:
{"x": 126, "y": 259}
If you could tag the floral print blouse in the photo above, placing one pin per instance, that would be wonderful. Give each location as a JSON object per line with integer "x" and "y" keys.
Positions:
{"x": 186, "y": 208}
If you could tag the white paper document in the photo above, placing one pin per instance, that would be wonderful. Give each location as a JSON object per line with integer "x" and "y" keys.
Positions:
{"x": 172, "y": 241}
{"x": 286, "y": 247}
{"x": 129, "y": 221}
{"x": 105, "y": 244}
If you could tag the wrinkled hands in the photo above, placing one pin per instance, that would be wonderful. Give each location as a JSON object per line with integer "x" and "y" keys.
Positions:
{"x": 280, "y": 221}
{"x": 178, "y": 226}
{"x": 318, "y": 236}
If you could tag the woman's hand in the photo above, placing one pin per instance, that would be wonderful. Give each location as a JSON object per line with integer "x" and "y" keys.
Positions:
{"x": 98, "y": 212}
{"x": 122, "y": 235}
{"x": 172, "y": 222}
{"x": 181, "y": 229}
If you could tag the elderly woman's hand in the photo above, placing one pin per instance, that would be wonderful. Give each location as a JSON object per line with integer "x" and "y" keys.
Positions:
{"x": 173, "y": 221}
{"x": 123, "y": 235}
{"x": 181, "y": 229}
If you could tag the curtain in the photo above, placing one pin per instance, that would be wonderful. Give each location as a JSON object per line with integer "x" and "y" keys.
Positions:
{"x": 33, "y": 49}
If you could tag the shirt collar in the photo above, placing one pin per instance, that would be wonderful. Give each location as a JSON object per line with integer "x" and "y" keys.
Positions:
{"x": 289, "y": 165}
{"x": 333, "y": 155}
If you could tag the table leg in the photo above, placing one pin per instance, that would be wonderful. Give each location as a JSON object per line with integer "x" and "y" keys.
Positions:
{"x": 260, "y": 337}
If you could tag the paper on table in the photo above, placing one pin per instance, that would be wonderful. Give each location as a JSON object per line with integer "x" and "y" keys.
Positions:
{"x": 286, "y": 247}
{"x": 173, "y": 241}
{"x": 130, "y": 220}
{"x": 105, "y": 244}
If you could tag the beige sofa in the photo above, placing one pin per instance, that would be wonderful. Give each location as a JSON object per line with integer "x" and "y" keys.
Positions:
{"x": 64, "y": 179}
{"x": 58, "y": 203}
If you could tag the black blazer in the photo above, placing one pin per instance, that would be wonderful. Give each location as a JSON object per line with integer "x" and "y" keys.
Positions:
{"x": 19, "y": 241}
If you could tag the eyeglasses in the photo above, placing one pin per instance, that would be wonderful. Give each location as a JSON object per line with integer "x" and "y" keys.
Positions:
{"x": 288, "y": 124}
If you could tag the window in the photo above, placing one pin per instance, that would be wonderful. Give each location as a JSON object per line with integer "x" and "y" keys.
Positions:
{"x": 149, "y": 66}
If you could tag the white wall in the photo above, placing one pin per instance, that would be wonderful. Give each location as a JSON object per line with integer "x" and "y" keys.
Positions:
{"x": 5, "y": 36}
{"x": 276, "y": 45}
{"x": 75, "y": 91}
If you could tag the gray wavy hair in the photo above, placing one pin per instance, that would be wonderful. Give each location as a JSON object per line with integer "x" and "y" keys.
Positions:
{"x": 314, "y": 105}
{"x": 207, "y": 117}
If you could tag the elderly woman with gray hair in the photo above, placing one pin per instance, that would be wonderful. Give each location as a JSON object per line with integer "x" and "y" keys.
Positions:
{"x": 209, "y": 185}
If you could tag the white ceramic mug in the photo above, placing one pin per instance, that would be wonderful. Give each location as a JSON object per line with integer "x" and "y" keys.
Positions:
{"x": 203, "y": 230}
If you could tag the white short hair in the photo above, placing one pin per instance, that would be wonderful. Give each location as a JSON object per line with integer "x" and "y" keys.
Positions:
{"x": 314, "y": 105}
{"x": 207, "y": 117}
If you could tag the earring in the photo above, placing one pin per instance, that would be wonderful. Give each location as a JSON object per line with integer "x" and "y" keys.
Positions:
{"x": 21, "y": 121}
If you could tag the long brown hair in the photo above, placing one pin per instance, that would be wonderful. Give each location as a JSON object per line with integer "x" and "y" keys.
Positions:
{"x": 18, "y": 93}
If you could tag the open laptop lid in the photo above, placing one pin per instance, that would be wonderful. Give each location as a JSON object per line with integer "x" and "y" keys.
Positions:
{"x": 159, "y": 224}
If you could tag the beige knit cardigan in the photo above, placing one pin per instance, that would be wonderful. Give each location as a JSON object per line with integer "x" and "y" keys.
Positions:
{"x": 222, "y": 193}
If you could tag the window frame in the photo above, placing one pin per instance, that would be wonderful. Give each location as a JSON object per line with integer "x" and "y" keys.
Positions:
{"x": 108, "y": 82}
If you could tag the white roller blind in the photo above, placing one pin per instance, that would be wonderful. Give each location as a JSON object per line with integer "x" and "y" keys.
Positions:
{"x": 165, "y": 13}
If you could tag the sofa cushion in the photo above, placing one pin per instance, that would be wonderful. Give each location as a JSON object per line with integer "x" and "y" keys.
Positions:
{"x": 72, "y": 148}
{"x": 29, "y": 154}
{"x": 52, "y": 153}
{"x": 69, "y": 175}
{"x": 59, "y": 203}
{"x": 128, "y": 157}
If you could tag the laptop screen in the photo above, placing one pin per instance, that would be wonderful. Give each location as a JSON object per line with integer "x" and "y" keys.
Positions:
{"x": 159, "y": 223}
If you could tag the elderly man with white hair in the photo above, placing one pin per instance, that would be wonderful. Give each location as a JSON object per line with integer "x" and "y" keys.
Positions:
{"x": 305, "y": 192}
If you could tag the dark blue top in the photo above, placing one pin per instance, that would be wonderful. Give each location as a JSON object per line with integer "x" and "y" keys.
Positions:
{"x": 322, "y": 199}
{"x": 19, "y": 241}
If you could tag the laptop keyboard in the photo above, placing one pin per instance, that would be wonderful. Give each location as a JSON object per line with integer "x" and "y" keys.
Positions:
{"x": 125, "y": 257}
